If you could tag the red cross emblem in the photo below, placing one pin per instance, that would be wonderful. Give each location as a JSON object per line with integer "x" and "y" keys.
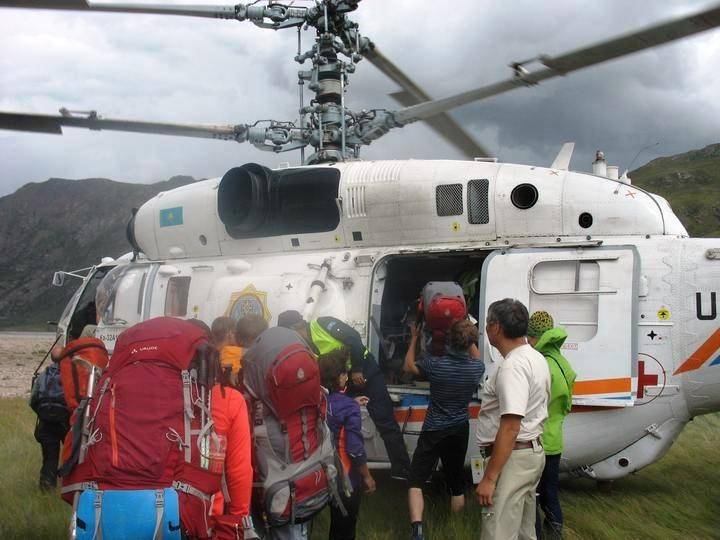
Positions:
{"x": 644, "y": 379}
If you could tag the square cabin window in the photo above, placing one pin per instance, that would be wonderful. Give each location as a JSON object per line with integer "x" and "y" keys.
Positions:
{"x": 558, "y": 288}
{"x": 176, "y": 297}
{"x": 449, "y": 199}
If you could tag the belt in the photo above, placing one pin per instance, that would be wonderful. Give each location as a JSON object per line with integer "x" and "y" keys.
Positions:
{"x": 486, "y": 451}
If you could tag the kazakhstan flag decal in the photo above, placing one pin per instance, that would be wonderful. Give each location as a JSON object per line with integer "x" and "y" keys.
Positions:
{"x": 169, "y": 217}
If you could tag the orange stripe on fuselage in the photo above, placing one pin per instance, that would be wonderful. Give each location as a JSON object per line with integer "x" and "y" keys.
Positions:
{"x": 602, "y": 386}
{"x": 699, "y": 357}
{"x": 418, "y": 415}
{"x": 584, "y": 388}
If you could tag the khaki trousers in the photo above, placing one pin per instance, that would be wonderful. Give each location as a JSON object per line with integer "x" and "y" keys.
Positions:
{"x": 512, "y": 514}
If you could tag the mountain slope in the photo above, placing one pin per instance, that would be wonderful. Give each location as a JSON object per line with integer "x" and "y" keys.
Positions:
{"x": 61, "y": 225}
{"x": 691, "y": 183}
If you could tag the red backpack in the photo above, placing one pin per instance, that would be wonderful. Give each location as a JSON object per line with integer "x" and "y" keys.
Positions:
{"x": 441, "y": 304}
{"x": 146, "y": 416}
{"x": 77, "y": 357}
{"x": 294, "y": 459}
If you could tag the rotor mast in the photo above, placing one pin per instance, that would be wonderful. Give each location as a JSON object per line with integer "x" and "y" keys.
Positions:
{"x": 326, "y": 114}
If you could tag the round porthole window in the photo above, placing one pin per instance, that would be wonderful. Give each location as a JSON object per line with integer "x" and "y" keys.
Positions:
{"x": 524, "y": 196}
{"x": 585, "y": 220}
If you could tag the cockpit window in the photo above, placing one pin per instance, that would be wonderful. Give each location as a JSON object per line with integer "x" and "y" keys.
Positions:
{"x": 118, "y": 295}
{"x": 85, "y": 310}
{"x": 176, "y": 298}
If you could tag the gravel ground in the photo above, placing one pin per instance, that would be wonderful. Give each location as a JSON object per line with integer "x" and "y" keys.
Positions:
{"x": 20, "y": 353}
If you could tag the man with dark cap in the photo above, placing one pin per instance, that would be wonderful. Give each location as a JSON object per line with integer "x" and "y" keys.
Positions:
{"x": 327, "y": 334}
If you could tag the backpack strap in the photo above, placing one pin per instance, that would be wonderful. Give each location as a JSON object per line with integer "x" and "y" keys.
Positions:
{"x": 224, "y": 487}
{"x": 205, "y": 430}
{"x": 190, "y": 490}
{"x": 76, "y": 380}
{"x": 189, "y": 414}
{"x": 333, "y": 488}
{"x": 97, "y": 505}
{"x": 292, "y": 502}
{"x": 258, "y": 413}
{"x": 303, "y": 423}
{"x": 79, "y": 486}
{"x": 77, "y": 434}
{"x": 78, "y": 428}
{"x": 159, "y": 513}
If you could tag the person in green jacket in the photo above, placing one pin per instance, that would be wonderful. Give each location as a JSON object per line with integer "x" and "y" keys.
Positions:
{"x": 547, "y": 339}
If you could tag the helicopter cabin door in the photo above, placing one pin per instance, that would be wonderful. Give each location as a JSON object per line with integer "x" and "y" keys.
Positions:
{"x": 592, "y": 293}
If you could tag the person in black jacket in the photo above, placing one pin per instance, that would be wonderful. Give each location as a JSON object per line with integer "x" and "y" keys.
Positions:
{"x": 48, "y": 402}
{"x": 328, "y": 334}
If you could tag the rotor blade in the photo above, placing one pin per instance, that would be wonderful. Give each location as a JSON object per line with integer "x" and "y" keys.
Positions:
{"x": 447, "y": 127}
{"x": 42, "y": 123}
{"x": 443, "y": 124}
{"x": 213, "y": 12}
{"x": 572, "y": 61}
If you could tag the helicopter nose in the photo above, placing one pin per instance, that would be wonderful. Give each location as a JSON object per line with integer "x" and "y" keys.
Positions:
{"x": 702, "y": 390}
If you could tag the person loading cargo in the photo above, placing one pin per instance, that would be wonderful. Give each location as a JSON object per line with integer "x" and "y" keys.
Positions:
{"x": 327, "y": 334}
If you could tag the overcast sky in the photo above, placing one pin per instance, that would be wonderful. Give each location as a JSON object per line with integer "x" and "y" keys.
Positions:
{"x": 178, "y": 69}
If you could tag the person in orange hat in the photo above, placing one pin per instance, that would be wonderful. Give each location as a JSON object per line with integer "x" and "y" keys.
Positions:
{"x": 223, "y": 335}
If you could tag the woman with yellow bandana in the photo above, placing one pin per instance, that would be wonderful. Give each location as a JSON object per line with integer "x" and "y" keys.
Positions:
{"x": 547, "y": 339}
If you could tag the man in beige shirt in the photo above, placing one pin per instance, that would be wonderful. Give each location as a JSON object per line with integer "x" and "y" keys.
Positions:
{"x": 514, "y": 406}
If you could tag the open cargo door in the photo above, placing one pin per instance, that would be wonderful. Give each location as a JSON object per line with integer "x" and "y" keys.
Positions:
{"x": 592, "y": 293}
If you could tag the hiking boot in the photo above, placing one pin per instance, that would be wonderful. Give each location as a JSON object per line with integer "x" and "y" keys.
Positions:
{"x": 47, "y": 485}
{"x": 417, "y": 531}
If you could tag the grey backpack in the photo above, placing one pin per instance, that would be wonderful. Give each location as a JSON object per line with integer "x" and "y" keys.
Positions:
{"x": 294, "y": 460}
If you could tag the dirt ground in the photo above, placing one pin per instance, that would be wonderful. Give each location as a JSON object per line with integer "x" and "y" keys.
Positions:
{"x": 20, "y": 353}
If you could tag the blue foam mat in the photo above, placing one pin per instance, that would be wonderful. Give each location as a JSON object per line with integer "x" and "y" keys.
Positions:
{"x": 128, "y": 515}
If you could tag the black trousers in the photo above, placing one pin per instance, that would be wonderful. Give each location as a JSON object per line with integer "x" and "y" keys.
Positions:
{"x": 343, "y": 527}
{"x": 548, "y": 500}
{"x": 49, "y": 435}
{"x": 382, "y": 412}
{"x": 449, "y": 445}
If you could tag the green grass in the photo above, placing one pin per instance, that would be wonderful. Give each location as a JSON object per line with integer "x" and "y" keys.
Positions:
{"x": 678, "y": 497}
{"x": 25, "y": 512}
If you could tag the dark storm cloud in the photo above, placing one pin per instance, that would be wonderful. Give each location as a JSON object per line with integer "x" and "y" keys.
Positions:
{"x": 188, "y": 70}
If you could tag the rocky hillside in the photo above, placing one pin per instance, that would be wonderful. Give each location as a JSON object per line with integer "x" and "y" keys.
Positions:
{"x": 691, "y": 183}
{"x": 61, "y": 225}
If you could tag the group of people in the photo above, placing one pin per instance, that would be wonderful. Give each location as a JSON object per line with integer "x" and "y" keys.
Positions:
{"x": 525, "y": 396}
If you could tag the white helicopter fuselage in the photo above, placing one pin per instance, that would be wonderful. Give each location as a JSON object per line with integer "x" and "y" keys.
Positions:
{"x": 609, "y": 261}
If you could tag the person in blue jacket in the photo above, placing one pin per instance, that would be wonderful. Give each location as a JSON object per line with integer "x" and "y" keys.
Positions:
{"x": 345, "y": 422}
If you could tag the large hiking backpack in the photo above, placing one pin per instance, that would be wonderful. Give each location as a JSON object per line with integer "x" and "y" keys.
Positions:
{"x": 47, "y": 398}
{"x": 294, "y": 459}
{"x": 147, "y": 422}
{"x": 441, "y": 303}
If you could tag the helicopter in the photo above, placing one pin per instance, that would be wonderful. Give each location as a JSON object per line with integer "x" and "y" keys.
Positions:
{"x": 358, "y": 239}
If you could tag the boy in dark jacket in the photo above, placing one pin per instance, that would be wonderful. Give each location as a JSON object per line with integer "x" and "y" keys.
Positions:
{"x": 345, "y": 423}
